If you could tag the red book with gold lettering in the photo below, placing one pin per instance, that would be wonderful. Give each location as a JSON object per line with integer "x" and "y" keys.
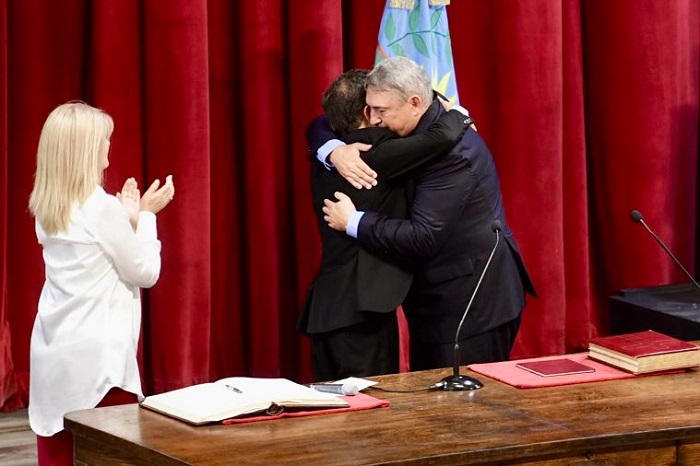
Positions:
{"x": 642, "y": 352}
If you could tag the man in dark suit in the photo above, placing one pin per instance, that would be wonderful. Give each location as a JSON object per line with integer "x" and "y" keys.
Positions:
{"x": 457, "y": 199}
{"x": 350, "y": 309}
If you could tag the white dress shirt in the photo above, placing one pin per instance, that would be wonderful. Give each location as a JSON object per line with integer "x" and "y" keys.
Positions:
{"x": 86, "y": 331}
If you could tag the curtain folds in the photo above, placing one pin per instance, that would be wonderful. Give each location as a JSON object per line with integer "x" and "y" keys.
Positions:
{"x": 589, "y": 107}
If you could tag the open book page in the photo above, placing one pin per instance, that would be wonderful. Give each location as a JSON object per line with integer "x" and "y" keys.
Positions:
{"x": 236, "y": 396}
{"x": 202, "y": 403}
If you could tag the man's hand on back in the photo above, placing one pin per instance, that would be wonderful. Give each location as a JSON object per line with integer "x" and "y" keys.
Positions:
{"x": 338, "y": 213}
{"x": 347, "y": 161}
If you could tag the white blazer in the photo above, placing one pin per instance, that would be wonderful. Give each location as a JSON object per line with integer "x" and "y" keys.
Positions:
{"x": 86, "y": 331}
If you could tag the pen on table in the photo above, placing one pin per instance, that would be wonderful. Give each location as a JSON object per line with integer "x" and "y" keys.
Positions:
{"x": 231, "y": 387}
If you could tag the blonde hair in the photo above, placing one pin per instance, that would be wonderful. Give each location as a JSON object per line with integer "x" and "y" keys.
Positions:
{"x": 68, "y": 163}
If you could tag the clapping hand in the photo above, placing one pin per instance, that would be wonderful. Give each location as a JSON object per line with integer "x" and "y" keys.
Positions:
{"x": 130, "y": 197}
{"x": 157, "y": 197}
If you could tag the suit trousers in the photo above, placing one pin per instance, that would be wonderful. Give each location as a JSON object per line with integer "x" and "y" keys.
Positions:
{"x": 490, "y": 346}
{"x": 368, "y": 348}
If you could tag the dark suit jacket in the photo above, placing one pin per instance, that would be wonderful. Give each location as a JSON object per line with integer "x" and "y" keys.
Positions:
{"x": 354, "y": 280}
{"x": 456, "y": 201}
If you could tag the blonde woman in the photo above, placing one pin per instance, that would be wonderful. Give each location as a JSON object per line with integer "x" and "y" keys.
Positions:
{"x": 98, "y": 251}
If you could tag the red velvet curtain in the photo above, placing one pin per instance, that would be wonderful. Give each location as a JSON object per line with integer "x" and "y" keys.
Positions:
{"x": 590, "y": 108}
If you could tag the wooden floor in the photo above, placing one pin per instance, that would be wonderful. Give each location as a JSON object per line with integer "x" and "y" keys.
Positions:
{"x": 17, "y": 441}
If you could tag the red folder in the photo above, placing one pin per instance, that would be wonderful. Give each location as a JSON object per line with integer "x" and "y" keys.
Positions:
{"x": 508, "y": 372}
{"x": 358, "y": 402}
{"x": 555, "y": 367}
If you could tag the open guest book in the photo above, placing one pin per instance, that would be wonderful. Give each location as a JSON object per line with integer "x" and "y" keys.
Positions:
{"x": 644, "y": 352}
{"x": 236, "y": 397}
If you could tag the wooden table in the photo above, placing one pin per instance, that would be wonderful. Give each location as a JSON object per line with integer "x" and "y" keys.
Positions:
{"x": 652, "y": 420}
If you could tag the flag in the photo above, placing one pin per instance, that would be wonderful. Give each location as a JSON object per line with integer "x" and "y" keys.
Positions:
{"x": 418, "y": 29}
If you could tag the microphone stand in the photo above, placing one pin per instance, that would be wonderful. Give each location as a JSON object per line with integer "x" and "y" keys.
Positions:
{"x": 457, "y": 382}
{"x": 637, "y": 217}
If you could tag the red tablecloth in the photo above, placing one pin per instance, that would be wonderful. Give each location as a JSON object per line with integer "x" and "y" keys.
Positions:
{"x": 507, "y": 372}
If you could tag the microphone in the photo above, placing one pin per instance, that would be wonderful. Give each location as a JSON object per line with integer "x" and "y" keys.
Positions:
{"x": 637, "y": 218}
{"x": 457, "y": 382}
{"x": 336, "y": 388}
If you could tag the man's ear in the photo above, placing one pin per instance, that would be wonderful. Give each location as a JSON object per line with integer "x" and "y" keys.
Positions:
{"x": 416, "y": 104}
